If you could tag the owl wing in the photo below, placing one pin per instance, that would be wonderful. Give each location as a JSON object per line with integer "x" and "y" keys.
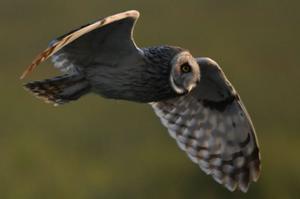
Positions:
{"x": 212, "y": 125}
{"x": 108, "y": 41}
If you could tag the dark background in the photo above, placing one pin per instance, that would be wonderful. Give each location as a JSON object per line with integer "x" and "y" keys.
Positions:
{"x": 98, "y": 148}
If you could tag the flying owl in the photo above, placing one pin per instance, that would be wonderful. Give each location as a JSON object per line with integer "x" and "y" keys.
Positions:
{"x": 192, "y": 96}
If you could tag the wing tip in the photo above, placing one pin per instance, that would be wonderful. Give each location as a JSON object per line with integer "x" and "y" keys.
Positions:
{"x": 132, "y": 13}
{"x": 40, "y": 95}
{"x": 23, "y": 75}
{"x": 27, "y": 71}
{"x": 235, "y": 180}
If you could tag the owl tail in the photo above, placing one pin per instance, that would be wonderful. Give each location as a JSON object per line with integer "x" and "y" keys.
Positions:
{"x": 61, "y": 89}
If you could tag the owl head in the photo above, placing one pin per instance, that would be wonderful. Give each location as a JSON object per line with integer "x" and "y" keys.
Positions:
{"x": 185, "y": 72}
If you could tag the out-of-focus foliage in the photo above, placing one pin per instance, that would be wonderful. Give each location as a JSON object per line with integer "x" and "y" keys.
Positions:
{"x": 97, "y": 148}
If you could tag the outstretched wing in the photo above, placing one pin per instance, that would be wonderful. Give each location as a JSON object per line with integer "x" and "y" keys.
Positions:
{"x": 212, "y": 125}
{"x": 107, "y": 41}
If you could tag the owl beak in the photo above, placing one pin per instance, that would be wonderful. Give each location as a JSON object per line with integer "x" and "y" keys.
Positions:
{"x": 190, "y": 83}
{"x": 190, "y": 88}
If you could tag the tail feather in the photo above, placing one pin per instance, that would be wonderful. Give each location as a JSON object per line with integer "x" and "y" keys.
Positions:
{"x": 60, "y": 89}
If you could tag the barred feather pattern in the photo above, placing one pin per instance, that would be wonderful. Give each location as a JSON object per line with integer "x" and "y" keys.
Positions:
{"x": 221, "y": 141}
{"x": 64, "y": 64}
{"x": 59, "y": 90}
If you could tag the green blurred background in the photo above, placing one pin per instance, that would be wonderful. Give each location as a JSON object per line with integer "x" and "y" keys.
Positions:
{"x": 98, "y": 148}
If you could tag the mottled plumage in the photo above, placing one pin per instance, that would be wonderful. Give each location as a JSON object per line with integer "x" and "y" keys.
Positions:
{"x": 213, "y": 127}
{"x": 191, "y": 96}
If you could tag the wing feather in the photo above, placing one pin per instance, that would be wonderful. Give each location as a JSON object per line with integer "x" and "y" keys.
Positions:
{"x": 60, "y": 43}
{"x": 222, "y": 143}
{"x": 212, "y": 125}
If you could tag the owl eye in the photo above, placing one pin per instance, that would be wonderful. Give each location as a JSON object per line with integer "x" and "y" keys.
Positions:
{"x": 185, "y": 68}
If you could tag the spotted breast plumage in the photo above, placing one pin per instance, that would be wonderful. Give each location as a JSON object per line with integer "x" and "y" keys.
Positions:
{"x": 191, "y": 96}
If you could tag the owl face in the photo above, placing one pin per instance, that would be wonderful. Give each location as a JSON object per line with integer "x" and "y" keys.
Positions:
{"x": 185, "y": 72}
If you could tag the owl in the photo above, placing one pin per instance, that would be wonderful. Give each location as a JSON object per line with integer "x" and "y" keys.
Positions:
{"x": 191, "y": 95}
